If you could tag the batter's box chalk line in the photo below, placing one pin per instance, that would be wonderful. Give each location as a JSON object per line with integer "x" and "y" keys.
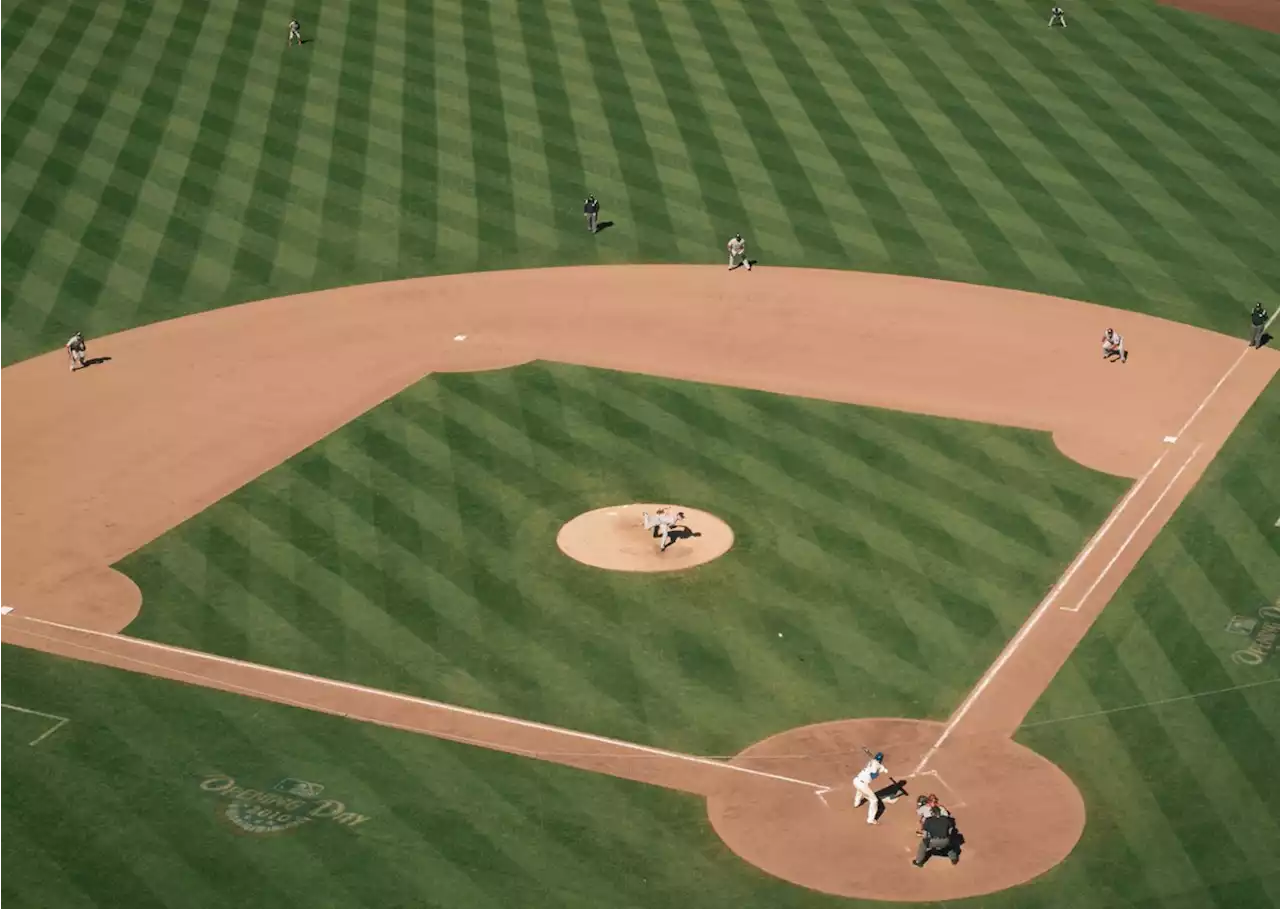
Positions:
{"x": 60, "y": 721}
{"x": 960, "y": 803}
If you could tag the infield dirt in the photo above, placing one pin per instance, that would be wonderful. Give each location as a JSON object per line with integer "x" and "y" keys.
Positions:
{"x": 187, "y": 411}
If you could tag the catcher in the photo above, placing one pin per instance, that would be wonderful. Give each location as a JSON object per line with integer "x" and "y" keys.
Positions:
{"x": 663, "y": 521}
{"x": 75, "y": 350}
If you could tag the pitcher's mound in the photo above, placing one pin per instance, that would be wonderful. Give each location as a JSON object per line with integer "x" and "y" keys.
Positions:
{"x": 615, "y": 538}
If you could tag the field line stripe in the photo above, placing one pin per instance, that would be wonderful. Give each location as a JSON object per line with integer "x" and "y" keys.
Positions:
{"x": 50, "y": 731}
{"x": 50, "y": 716}
{"x": 1159, "y": 703}
{"x": 426, "y": 702}
{"x": 1133, "y": 533}
{"x": 1213, "y": 391}
{"x": 1035, "y": 617}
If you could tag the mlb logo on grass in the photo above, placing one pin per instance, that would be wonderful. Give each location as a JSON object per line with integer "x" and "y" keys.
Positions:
{"x": 300, "y": 788}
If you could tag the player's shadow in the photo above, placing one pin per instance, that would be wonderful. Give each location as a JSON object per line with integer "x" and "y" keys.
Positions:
{"x": 676, "y": 533}
{"x": 1264, "y": 340}
{"x": 892, "y": 792}
{"x": 94, "y": 361}
{"x": 603, "y": 225}
{"x": 1114, "y": 357}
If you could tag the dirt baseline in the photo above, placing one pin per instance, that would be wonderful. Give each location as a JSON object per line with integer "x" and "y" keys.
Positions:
{"x": 173, "y": 434}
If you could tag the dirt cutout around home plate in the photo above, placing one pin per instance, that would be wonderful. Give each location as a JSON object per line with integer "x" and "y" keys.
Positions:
{"x": 615, "y": 538}
{"x": 187, "y": 411}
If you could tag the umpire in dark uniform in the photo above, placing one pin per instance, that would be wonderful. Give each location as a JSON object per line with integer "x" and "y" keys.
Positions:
{"x": 591, "y": 208}
{"x": 937, "y": 834}
{"x": 1259, "y": 320}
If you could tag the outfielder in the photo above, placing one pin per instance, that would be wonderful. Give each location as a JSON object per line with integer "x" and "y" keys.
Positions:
{"x": 75, "y": 350}
{"x": 738, "y": 252}
{"x": 1113, "y": 346}
{"x": 862, "y": 786}
{"x": 1057, "y": 17}
{"x": 295, "y": 32}
{"x": 662, "y": 522}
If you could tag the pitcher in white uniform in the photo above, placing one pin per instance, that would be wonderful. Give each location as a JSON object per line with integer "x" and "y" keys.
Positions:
{"x": 662, "y": 521}
{"x": 862, "y": 789}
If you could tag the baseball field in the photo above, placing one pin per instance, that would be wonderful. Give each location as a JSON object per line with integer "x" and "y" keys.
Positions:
{"x": 327, "y": 584}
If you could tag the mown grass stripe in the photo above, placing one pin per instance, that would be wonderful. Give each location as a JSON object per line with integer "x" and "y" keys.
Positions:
{"x": 1114, "y": 122}
{"x": 23, "y": 240}
{"x": 805, "y": 211}
{"x": 103, "y": 238}
{"x": 639, "y": 171}
{"x": 256, "y": 259}
{"x": 487, "y": 116}
{"x": 419, "y": 149}
{"x": 560, "y": 143}
{"x": 19, "y": 22}
{"x": 191, "y": 218}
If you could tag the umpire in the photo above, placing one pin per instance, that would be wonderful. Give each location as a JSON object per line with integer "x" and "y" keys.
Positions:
{"x": 1259, "y": 320}
{"x": 591, "y": 209}
{"x": 937, "y": 834}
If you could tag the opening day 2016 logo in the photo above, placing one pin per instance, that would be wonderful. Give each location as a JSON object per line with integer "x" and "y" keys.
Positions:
{"x": 288, "y": 805}
{"x": 1264, "y": 632}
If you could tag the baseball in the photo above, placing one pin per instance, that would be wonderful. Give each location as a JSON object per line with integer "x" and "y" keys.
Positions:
{"x": 779, "y": 634}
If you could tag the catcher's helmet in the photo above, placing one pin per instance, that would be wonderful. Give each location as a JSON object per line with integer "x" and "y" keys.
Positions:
{"x": 922, "y": 800}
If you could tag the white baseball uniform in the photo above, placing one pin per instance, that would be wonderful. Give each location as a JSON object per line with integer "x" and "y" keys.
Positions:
{"x": 664, "y": 520}
{"x": 862, "y": 788}
{"x": 1113, "y": 344}
{"x": 738, "y": 253}
{"x": 75, "y": 348}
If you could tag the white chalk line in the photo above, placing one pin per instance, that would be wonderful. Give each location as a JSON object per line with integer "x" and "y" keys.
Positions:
{"x": 995, "y": 667}
{"x": 61, "y": 721}
{"x": 1160, "y": 703}
{"x": 1213, "y": 391}
{"x": 1012, "y": 646}
{"x": 938, "y": 776}
{"x": 425, "y": 702}
{"x": 1137, "y": 527}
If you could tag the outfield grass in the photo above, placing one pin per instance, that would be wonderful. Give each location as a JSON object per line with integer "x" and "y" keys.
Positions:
{"x": 166, "y": 157}
{"x": 414, "y": 549}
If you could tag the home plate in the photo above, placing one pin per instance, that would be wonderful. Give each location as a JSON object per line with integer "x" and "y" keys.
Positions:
{"x": 459, "y": 337}
{"x": 5, "y": 610}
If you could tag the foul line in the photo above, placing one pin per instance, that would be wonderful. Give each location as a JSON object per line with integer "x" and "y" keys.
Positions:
{"x": 1133, "y": 533}
{"x": 818, "y": 788}
{"x": 61, "y": 721}
{"x": 1040, "y": 610}
{"x": 1213, "y": 391}
{"x": 1031, "y": 622}
{"x": 1159, "y": 703}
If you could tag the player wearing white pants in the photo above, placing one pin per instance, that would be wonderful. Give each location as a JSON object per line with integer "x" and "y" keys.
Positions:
{"x": 1113, "y": 345}
{"x": 75, "y": 350}
{"x": 738, "y": 252}
{"x": 1057, "y": 17}
{"x": 663, "y": 520}
{"x": 862, "y": 790}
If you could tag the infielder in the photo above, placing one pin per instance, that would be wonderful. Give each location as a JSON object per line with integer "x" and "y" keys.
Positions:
{"x": 662, "y": 522}
{"x": 1113, "y": 346}
{"x": 295, "y": 31}
{"x": 75, "y": 350}
{"x": 862, "y": 786}
{"x": 1057, "y": 17}
{"x": 738, "y": 252}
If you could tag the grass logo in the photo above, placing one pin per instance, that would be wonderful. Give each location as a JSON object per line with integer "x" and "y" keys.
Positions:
{"x": 1264, "y": 631}
{"x": 288, "y": 805}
